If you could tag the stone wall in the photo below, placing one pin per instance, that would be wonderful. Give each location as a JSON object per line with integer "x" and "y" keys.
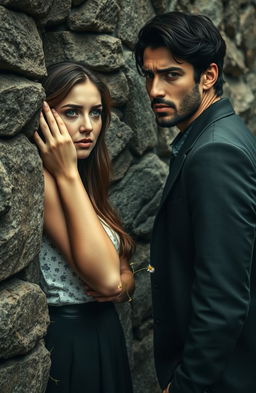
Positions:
{"x": 101, "y": 34}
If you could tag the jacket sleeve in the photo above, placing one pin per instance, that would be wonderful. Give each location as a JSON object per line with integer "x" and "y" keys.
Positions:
{"x": 220, "y": 182}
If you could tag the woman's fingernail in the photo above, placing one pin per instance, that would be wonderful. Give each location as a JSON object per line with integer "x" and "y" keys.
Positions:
{"x": 45, "y": 104}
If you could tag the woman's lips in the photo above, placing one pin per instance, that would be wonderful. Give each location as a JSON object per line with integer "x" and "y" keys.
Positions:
{"x": 84, "y": 143}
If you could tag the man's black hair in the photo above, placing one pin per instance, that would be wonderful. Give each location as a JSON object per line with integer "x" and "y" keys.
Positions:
{"x": 192, "y": 38}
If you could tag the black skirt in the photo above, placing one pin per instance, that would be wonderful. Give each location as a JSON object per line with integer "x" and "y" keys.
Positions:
{"x": 88, "y": 350}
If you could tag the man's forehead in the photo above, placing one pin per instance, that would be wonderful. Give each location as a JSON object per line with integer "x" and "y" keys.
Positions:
{"x": 159, "y": 57}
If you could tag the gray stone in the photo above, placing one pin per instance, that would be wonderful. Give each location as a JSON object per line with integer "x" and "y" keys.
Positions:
{"x": 138, "y": 194}
{"x": 32, "y": 7}
{"x": 21, "y": 48}
{"x": 118, "y": 87}
{"x": 231, "y": 19}
{"x": 183, "y": 5}
{"x": 20, "y": 101}
{"x": 118, "y": 136}
{"x": 95, "y": 15}
{"x": 165, "y": 137}
{"x": 121, "y": 164}
{"x": 248, "y": 30}
{"x": 234, "y": 61}
{"x": 57, "y": 14}
{"x": 100, "y": 52}
{"x": 162, "y": 6}
{"x": 144, "y": 377}
{"x": 138, "y": 114}
{"x": 23, "y": 317}
{"x": 212, "y": 9}
{"x": 21, "y": 225}
{"x": 240, "y": 94}
{"x": 133, "y": 15}
{"x": 31, "y": 273}
{"x": 6, "y": 189}
{"x": 26, "y": 374}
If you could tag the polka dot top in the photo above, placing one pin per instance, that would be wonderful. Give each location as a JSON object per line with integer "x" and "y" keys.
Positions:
{"x": 59, "y": 282}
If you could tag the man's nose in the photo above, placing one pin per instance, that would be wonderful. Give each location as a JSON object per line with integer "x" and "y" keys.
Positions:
{"x": 156, "y": 88}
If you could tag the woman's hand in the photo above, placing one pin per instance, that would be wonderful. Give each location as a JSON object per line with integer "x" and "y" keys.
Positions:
{"x": 57, "y": 151}
{"x": 98, "y": 297}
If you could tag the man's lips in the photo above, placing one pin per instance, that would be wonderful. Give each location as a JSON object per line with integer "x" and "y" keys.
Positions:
{"x": 162, "y": 108}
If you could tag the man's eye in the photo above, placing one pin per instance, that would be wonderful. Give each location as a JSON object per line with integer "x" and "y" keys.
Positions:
{"x": 172, "y": 75}
{"x": 71, "y": 113}
{"x": 96, "y": 113}
{"x": 148, "y": 75}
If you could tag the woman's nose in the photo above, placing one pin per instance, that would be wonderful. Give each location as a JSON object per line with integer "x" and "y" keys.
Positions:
{"x": 86, "y": 125}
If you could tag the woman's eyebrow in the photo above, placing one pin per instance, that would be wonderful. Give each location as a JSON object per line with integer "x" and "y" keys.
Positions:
{"x": 72, "y": 106}
{"x": 79, "y": 106}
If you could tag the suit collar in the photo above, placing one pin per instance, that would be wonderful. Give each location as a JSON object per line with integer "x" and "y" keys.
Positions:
{"x": 216, "y": 111}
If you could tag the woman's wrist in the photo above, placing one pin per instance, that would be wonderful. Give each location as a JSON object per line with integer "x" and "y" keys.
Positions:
{"x": 67, "y": 177}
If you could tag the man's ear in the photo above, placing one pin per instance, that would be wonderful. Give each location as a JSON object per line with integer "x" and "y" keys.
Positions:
{"x": 209, "y": 77}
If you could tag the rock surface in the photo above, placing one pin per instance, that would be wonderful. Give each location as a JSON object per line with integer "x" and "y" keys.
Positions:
{"x": 95, "y": 15}
{"x": 23, "y": 317}
{"x": 22, "y": 210}
{"x": 24, "y": 99}
{"x": 100, "y": 52}
{"x": 26, "y": 374}
{"x": 138, "y": 194}
{"x": 21, "y": 48}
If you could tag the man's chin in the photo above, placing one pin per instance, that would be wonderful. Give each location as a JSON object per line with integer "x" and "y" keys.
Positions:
{"x": 166, "y": 122}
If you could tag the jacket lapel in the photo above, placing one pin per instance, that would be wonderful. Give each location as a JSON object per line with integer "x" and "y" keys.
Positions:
{"x": 216, "y": 111}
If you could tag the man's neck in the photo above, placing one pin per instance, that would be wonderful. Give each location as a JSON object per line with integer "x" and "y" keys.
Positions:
{"x": 207, "y": 100}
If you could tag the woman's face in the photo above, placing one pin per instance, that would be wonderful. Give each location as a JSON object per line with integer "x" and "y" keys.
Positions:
{"x": 81, "y": 112}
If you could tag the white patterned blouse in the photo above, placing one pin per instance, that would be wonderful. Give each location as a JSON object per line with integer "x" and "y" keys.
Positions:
{"x": 59, "y": 282}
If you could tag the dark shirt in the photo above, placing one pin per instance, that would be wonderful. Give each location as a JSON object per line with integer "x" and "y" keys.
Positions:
{"x": 178, "y": 141}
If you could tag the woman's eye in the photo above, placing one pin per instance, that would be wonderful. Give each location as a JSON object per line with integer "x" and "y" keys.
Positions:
{"x": 96, "y": 113}
{"x": 71, "y": 113}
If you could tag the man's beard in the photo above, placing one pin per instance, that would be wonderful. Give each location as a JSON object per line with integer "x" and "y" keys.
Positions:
{"x": 188, "y": 107}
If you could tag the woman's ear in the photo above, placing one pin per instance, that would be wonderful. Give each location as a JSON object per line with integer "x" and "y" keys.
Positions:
{"x": 209, "y": 77}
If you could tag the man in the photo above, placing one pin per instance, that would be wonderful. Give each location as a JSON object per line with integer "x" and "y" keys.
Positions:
{"x": 204, "y": 283}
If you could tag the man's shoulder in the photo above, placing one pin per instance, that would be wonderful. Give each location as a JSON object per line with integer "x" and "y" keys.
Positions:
{"x": 230, "y": 129}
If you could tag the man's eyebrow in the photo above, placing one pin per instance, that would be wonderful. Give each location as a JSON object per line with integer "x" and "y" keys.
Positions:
{"x": 162, "y": 70}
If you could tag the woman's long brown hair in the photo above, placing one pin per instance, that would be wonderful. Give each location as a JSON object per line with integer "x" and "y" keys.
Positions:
{"x": 94, "y": 170}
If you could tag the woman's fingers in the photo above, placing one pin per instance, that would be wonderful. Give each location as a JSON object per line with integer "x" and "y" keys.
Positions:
{"x": 61, "y": 125}
{"x": 45, "y": 128}
{"x": 48, "y": 123}
{"x": 39, "y": 142}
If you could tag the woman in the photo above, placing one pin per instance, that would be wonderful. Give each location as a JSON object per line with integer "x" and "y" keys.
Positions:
{"x": 85, "y": 251}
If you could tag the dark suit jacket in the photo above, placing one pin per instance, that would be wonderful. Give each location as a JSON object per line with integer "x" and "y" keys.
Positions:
{"x": 204, "y": 284}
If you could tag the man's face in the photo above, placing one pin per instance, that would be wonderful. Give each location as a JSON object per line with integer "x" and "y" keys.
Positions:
{"x": 175, "y": 97}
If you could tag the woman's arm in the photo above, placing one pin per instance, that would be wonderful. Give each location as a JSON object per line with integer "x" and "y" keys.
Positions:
{"x": 128, "y": 286}
{"x": 90, "y": 250}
